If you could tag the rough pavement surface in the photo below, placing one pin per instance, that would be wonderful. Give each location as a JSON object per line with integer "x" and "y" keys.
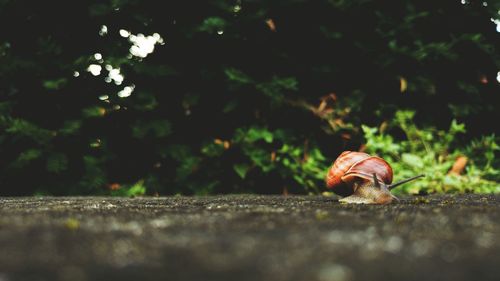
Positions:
{"x": 248, "y": 237}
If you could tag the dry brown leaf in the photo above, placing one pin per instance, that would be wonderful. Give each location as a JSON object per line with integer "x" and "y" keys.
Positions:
{"x": 285, "y": 191}
{"x": 362, "y": 148}
{"x": 272, "y": 26}
{"x": 403, "y": 84}
{"x": 458, "y": 166}
{"x": 114, "y": 186}
{"x": 345, "y": 136}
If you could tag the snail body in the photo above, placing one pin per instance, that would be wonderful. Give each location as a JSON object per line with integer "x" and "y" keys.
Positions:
{"x": 362, "y": 178}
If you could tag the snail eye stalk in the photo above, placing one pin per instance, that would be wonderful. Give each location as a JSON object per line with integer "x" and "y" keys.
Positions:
{"x": 375, "y": 181}
{"x": 404, "y": 181}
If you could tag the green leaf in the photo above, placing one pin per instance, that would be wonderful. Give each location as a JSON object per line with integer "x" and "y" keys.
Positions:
{"x": 236, "y": 75}
{"x": 21, "y": 127}
{"x": 369, "y": 132}
{"x": 137, "y": 189}
{"x": 187, "y": 160}
{"x": 93, "y": 111}
{"x": 27, "y": 157}
{"x": 278, "y": 87}
{"x": 260, "y": 157}
{"x": 187, "y": 167}
{"x": 145, "y": 101}
{"x": 212, "y": 149}
{"x": 298, "y": 179}
{"x": 55, "y": 84}
{"x": 212, "y": 24}
{"x": 241, "y": 169}
{"x": 94, "y": 176}
{"x": 412, "y": 160}
{"x": 255, "y": 134}
{"x": 456, "y": 127}
{"x": 70, "y": 127}
{"x": 177, "y": 152}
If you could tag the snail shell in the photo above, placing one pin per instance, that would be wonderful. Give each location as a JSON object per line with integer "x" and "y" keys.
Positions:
{"x": 351, "y": 167}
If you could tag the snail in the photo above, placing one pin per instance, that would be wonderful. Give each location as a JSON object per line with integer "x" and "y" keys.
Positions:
{"x": 362, "y": 178}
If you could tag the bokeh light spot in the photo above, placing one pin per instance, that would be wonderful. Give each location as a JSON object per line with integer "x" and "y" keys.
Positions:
{"x": 103, "y": 31}
{"x": 126, "y": 92}
{"x": 124, "y": 33}
{"x": 95, "y": 69}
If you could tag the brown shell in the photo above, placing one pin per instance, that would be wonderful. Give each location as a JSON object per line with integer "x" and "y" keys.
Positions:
{"x": 352, "y": 166}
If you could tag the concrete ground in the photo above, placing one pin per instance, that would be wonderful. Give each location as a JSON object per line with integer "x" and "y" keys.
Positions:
{"x": 249, "y": 237}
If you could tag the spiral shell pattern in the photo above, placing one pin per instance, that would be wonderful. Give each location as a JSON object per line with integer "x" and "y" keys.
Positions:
{"x": 352, "y": 166}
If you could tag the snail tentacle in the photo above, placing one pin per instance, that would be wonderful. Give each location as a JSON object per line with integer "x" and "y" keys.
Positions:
{"x": 391, "y": 186}
{"x": 376, "y": 183}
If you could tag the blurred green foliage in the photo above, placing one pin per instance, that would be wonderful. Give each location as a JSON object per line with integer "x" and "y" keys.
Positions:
{"x": 244, "y": 96}
{"x": 433, "y": 152}
{"x": 132, "y": 190}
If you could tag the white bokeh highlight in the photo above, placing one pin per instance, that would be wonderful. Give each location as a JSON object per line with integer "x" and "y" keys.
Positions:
{"x": 142, "y": 45}
{"x": 497, "y": 22}
{"x": 126, "y": 92}
{"x": 95, "y": 69}
{"x": 104, "y": 30}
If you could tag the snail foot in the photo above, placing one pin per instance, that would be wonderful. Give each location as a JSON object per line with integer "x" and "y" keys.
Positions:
{"x": 356, "y": 199}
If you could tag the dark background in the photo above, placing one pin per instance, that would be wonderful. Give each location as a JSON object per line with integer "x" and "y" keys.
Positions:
{"x": 263, "y": 107}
